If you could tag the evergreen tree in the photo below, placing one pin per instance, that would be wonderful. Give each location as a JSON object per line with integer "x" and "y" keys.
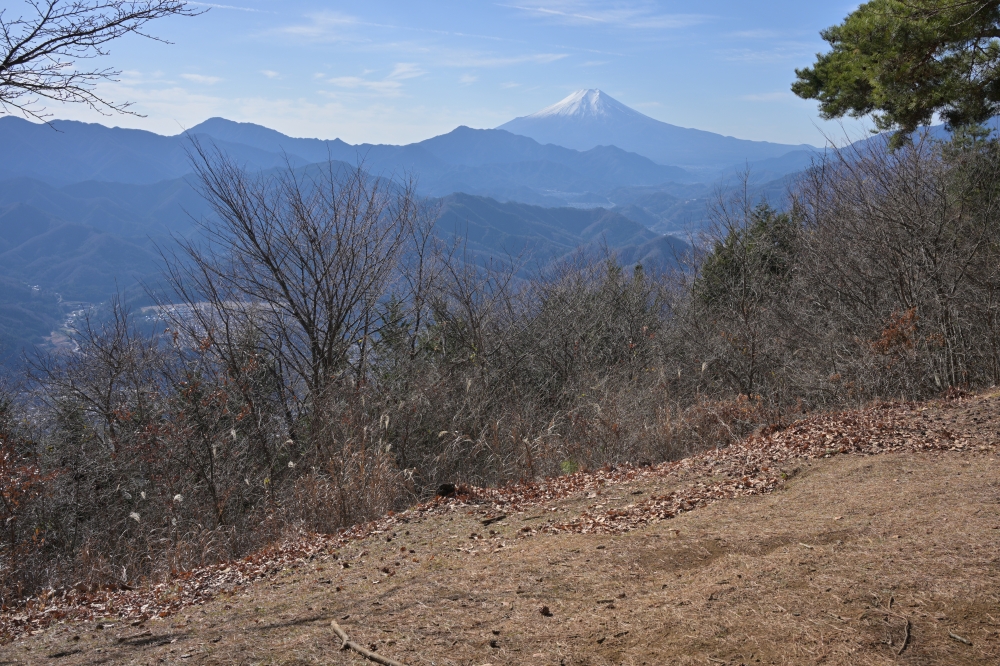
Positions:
{"x": 905, "y": 61}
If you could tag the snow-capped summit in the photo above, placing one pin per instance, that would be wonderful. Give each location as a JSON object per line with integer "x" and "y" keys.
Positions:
{"x": 590, "y": 118}
{"x": 586, "y": 103}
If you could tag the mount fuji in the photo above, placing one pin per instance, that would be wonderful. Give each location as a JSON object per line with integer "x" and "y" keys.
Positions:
{"x": 590, "y": 118}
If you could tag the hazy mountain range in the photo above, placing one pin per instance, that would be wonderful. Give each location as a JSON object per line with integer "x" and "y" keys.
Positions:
{"x": 590, "y": 118}
{"x": 489, "y": 161}
{"x": 83, "y": 207}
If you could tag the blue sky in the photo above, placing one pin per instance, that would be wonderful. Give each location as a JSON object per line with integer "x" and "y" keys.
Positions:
{"x": 387, "y": 71}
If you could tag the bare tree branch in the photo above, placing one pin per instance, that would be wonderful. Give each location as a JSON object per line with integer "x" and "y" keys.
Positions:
{"x": 40, "y": 51}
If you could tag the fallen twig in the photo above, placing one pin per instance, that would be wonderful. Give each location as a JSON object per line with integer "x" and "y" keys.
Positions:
{"x": 364, "y": 652}
{"x": 906, "y": 630}
{"x": 122, "y": 639}
{"x": 495, "y": 519}
{"x": 959, "y": 638}
{"x": 906, "y": 637}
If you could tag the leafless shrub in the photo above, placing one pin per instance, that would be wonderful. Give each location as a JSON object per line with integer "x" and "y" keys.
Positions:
{"x": 297, "y": 265}
{"x": 878, "y": 282}
{"x": 23, "y": 481}
{"x": 900, "y": 267}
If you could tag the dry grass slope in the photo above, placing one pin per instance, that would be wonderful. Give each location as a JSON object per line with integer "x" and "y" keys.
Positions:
{"x": 866, "y": 537}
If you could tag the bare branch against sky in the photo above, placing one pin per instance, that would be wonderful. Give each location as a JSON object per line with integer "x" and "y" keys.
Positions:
{"x": 41, "y": 50}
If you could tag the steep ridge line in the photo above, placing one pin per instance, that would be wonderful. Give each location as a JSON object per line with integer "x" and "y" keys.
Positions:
{"x": 755, "y": 466}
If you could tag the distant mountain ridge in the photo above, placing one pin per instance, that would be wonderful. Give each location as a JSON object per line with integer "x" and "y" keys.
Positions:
{"x": 486, "y": 162}
{"x": 589, "y": 118}
{"x": 67, "y": 151}
{"x": 465, "y": 159}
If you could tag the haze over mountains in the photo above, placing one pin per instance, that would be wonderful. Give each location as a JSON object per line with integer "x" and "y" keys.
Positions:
{"x": 589, "y": 118}
{"x": 83, "y": 207}
{"x": 596, "y": 143}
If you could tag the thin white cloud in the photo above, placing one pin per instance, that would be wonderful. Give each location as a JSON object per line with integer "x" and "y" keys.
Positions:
{"x": 324, "y": 27}
{"x": 777, "y": 53}
{"x": 199, "y": 78}
{"x": 784, "y": 96}
{"x": 212, "y": 5}
{"x": 389, "y": 86}
{"x": 637, "y": 14}
{"x": 405, "y": 70}
{"x": 468, "y": 79}
{"x": 489, "y": 60}
{"x": 338, "y": 27}
{"x": 133, "y": 77}
{"x": 330, "y": 25}
{"x": 269, "y": 73}
{"x": 757, "y": 34}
